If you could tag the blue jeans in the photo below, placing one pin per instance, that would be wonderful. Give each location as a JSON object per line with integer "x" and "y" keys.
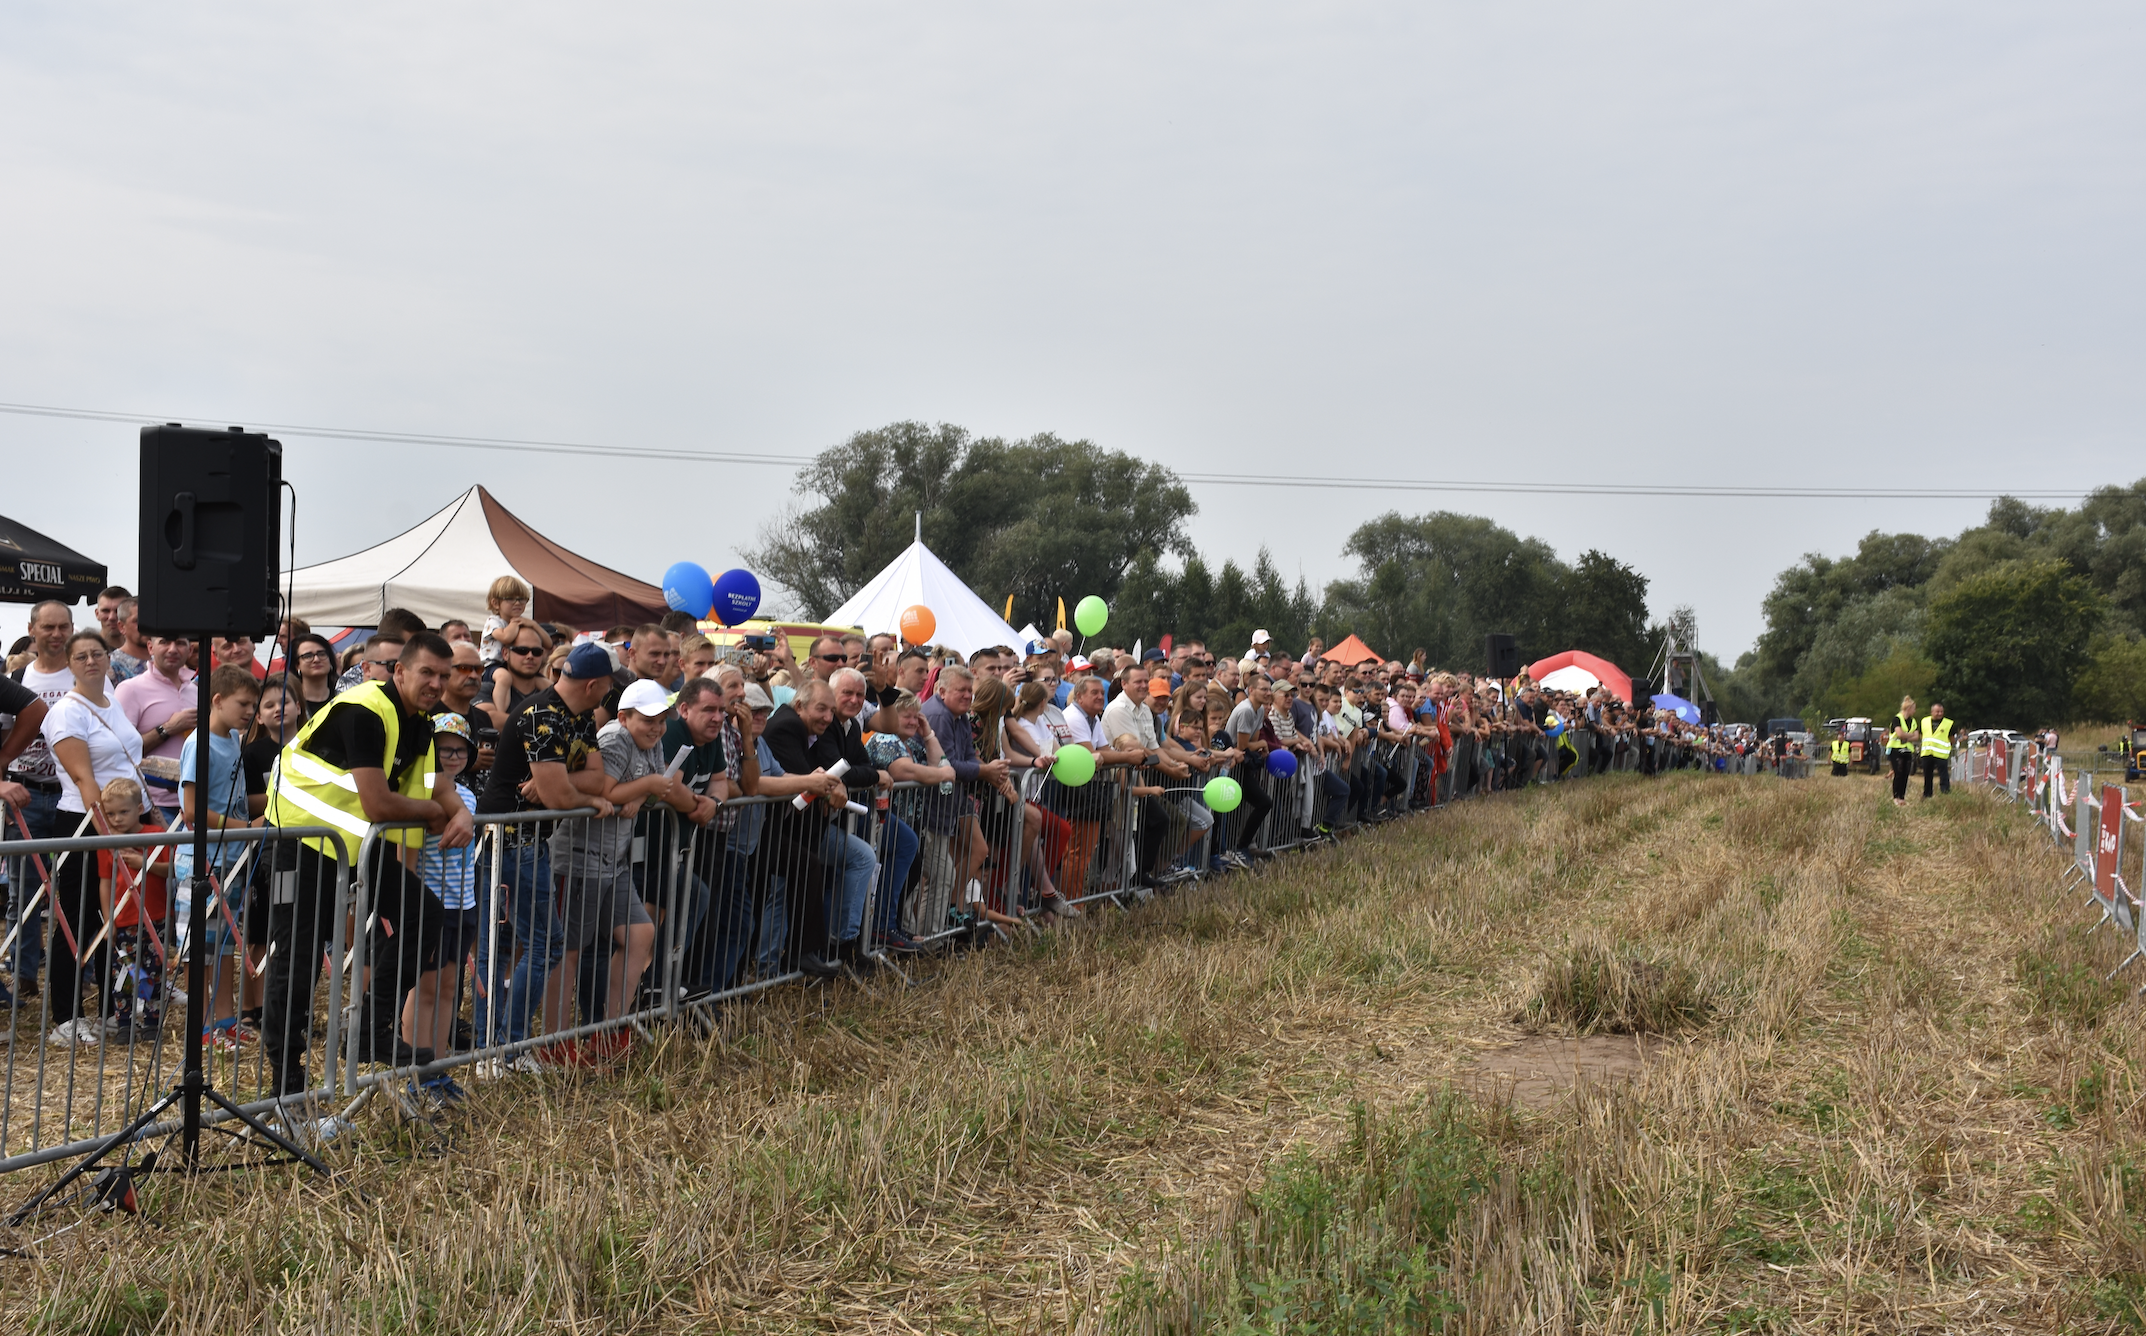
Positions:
{"x": 526, "y": 870}
{"x": 1336, "y": 791}
{"x": 854, "y": 860}
{"x": 42, "y": 815}
{"x": 901, "y": 845}
{"x": 729, "y": 929}
{"x": 774, "y": 928}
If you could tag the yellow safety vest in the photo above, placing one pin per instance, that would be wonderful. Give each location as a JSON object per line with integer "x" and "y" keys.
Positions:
{"x": 1906, "y": 725}
{"x": 1937, "y": 737}
{"x": 308, "y": 791}
{"x": 1840, "y": 751}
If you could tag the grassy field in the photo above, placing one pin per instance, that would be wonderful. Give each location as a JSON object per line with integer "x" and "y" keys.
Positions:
{"x": 1689, "y": 1055}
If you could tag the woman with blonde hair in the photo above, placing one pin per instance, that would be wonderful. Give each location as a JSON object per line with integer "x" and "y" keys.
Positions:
{"x": 1903, "y": 738}
{"x": 1032, "y": 743}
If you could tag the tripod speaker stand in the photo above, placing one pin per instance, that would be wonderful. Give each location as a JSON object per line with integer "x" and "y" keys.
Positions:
{"x": 210, "y": 517}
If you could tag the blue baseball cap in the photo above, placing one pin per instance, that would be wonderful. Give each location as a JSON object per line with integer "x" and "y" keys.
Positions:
{"x": 588, "y": 662}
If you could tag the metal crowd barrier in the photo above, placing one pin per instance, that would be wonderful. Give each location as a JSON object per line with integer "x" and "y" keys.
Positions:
{"x": 81, "y": 1066}
{"x": 556, "y": 938}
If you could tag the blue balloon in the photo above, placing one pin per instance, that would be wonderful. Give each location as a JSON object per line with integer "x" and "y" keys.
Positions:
{"x": 1281, "y": 764}
{"x": 686, "y": 588}
{"x": 737, "y": 597}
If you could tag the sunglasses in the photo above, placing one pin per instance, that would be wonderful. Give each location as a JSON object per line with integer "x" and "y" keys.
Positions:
{"x": 525, "y": 649}
{"x": 832, "y": 658}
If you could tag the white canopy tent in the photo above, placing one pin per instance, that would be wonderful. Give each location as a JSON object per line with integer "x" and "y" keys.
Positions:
{"x": 442, "y": 568}
{"x": 915, "y": 577}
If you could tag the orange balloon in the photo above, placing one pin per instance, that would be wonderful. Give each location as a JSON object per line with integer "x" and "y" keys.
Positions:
{"x": 918, "y": 624}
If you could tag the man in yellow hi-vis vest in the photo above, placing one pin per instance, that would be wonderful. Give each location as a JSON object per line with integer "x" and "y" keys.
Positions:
{"x": 1936, "y": 750}
{"x": 1841, "y": 752}
{"x": 365, "y": 758}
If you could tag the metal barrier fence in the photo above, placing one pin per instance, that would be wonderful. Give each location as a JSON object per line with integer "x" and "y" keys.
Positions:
{"x": 557, "y": 937}
{"x": 2107, "y": 858}
{"x": 78, "y": 1072}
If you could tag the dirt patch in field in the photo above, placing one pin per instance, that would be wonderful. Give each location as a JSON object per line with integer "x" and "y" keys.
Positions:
{"x": 1540, "y": 1070}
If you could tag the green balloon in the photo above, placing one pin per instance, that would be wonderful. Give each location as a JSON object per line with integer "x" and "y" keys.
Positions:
{"x": 1074, "y": 766}
{"x": 1222, "y": 794}
{"x": 1090, "y": 614}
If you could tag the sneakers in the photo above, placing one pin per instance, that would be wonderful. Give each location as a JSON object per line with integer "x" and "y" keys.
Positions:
{"x": 120, "y": 1031}
{"x": 228, "y": 1035}
{"x": 1060, "y": 907}
{"x": 299, "y": 1118}
{"x": 80, "y": 1033}
{"x": 498, "y": 1069}
{"x": 423, "y": 1099}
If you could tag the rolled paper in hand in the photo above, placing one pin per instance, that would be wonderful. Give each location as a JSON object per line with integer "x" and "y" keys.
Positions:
{"x": 838, "y": 769}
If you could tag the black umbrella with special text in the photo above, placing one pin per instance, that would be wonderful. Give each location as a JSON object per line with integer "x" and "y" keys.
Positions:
{"x": 34, "y": 568}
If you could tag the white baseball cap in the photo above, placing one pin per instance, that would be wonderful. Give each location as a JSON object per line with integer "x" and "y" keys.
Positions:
{"x": 645, "y": 697}
{"x": 1262, "y": 638}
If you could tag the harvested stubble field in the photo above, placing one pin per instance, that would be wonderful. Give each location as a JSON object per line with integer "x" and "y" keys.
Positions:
{"x": 1687, "y": 1055}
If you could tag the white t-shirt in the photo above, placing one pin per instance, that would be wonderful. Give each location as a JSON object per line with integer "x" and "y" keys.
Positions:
{"x": 1088, "y": 732}
{"x": 36, "y": 759}
{"x": 115, "y": 748}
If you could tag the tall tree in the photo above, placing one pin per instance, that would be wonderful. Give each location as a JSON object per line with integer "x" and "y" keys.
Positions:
{"x": 2009, "y": 643}
{"x": 1602, "y": 608}
{"x": 1040, "y": 519}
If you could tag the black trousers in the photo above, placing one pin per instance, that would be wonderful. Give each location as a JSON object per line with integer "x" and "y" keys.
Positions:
{"x": 301, "y": 924}
{"x": 805, "y": 884}
{"x": 1252, "y": 812}
{"x": 1938, "y": 768}
{"x": 1903, "y": 770}
{"x": 75, "y": 895}
{"x": 1154, "y": 833}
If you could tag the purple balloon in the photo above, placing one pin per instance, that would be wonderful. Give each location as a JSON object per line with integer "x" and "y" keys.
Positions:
{"x": 737, "y": 597}
{"x": 1281, "y": 764}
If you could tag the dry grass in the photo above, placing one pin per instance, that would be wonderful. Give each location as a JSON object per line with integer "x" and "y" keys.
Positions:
{"x": 1897, "y": 1103}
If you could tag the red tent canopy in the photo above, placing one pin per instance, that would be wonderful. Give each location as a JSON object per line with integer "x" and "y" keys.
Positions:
{"x": 1608, "y": 674}
{"x": 1352, "y": 652}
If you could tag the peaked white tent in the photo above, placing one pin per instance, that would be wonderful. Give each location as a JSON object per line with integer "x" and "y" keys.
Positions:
{"x": 965, "y": 621}
{"x": 442, "y": 568}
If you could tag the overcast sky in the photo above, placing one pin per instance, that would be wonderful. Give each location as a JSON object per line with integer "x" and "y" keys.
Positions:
{"x": 1822, "y": 243}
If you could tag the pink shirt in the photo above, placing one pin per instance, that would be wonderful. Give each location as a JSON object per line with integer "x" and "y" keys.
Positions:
{"x": 149, "y": 698}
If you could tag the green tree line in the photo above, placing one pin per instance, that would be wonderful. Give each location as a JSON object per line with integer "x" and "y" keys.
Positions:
{"x": 2033, "y": 617}
{"x": 1044, "y": 518}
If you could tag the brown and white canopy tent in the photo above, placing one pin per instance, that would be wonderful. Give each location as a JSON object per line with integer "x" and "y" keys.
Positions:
{"x": 442, "y": 568}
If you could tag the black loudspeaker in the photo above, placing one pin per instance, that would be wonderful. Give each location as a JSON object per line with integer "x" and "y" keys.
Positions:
{"x": 1501, "y": 655}
{"x": 211, "y": 526}
{"x": 1642, "y": 691}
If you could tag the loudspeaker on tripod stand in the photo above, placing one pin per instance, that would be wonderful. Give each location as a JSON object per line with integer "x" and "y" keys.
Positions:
{"x": 211, "y": 523}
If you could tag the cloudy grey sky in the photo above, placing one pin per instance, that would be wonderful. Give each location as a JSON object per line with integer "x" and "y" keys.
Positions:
{"x": 1820, "y": 243}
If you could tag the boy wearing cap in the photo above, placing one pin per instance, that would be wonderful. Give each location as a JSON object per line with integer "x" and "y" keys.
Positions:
{"x": 593, "y": 860}
{"x": 447, "y": 927}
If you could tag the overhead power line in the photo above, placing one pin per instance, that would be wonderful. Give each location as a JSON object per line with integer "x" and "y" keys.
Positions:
{"x": 1456, "y": 485}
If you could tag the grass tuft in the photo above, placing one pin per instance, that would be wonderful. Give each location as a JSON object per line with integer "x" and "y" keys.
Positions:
{"x": 1592, "y": 989}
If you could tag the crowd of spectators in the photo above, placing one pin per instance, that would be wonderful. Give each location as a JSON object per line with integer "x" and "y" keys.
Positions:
{"x": 727, "y": 785}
